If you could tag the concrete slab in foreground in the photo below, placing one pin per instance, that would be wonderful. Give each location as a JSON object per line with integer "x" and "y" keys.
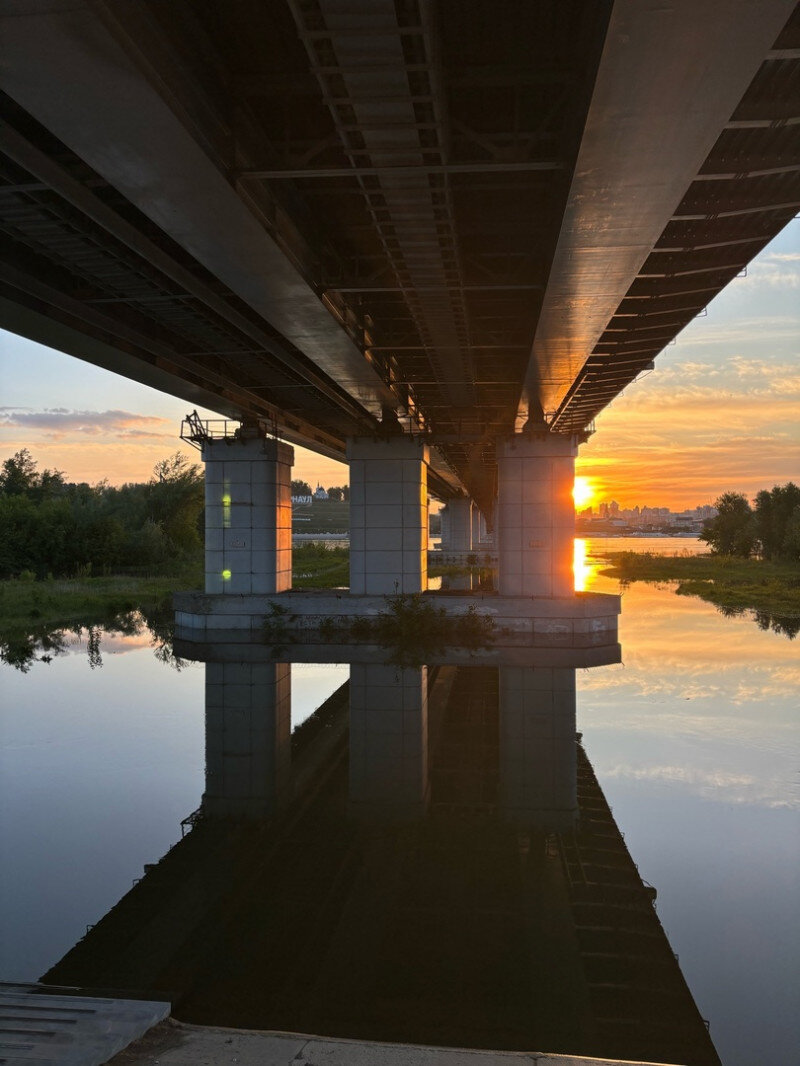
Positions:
{"x": 37, "y": 1027}
{"x": 175, "y": 1044}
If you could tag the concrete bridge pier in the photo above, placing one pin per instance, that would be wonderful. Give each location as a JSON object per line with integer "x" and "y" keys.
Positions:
{"x": 478, "y": 528}
{"x": 535, "y": 518}
{"x": 388, "y": 741}
{"x": 388, "y": 515}
{"x": 538, "y": 758}
{"x": 248, "y": 739}
{"x": 458, "y": 525}
{"x": 248, "y": 514}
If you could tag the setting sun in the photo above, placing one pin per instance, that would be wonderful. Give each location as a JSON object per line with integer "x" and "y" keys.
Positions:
{"x": 583, "y": 492}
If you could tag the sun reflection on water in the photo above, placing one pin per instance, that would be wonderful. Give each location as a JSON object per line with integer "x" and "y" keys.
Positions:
{"x": 582, "y": 569}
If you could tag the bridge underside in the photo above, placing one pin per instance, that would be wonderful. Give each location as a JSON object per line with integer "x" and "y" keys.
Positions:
{"x": 382, "y": 216}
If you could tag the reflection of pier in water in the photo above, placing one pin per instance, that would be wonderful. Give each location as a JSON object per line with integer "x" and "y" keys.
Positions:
{"x": 451, "y": 875}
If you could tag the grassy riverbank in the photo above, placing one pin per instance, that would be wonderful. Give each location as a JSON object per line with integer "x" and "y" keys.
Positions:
{"x": 316, "y": 567}
{"x": 83, "y": 600}
{"x": 722, "y": 580}
{"x": 77, "y": 600}
{"x": 25, "y": 604}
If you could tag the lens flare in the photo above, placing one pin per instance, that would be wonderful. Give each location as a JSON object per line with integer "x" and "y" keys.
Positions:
{"x": 583, "y": 492}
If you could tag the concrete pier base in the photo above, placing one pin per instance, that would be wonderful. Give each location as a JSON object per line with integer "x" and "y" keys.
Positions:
{"x": 584, "y": 619}
{"x": 317, "y": 626}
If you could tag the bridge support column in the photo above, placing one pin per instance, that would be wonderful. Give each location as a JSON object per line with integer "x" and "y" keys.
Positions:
{"x": 457, "y": 521}
{"x": 248, "y": 738}
{"x": 248, "y": 515}
{"x": 388, "y": 740}
{"x": 388, "y": 515}
{"x": 538, "y": 763}
{"x": 477, "y": 521}
{"x": 535, "y": 518}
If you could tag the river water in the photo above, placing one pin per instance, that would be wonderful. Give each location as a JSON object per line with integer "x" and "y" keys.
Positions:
{"x": 694, "y": 738}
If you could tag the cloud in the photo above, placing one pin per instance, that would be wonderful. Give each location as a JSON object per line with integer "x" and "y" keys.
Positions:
{"x": 58, "y": 423}
{"x": 776, "y": 270}
{"x": 706, "y": 332}
{"x": 699, "y": 427}
{"x": 737, "y": 368}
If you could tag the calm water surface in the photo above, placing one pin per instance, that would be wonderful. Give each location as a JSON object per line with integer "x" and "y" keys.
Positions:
{"x": 694, "y": 739}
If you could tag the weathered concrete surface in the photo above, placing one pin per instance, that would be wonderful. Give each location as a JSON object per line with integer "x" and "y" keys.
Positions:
{"x": 388, "y": 515}
{"x": 177, "y": 1044}
{"x": 535, "y": 513}
{"x": 69, "y": 1030}
{"x": 248, "y": 515}
{"x": 585, "y": 619}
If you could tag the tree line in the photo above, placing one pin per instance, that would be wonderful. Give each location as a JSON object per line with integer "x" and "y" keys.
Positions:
{"x": 49, "y": 526}
{"x": 770, "y": 529}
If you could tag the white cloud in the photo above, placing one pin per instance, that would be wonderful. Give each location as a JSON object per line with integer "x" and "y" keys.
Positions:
{"x": 777, "y": 270}
{"x": 58, "y": 422}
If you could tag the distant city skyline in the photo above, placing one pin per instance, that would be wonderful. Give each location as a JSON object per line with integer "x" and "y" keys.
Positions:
{"x": 719, "y": 413}
{"x": 597, "y": 507}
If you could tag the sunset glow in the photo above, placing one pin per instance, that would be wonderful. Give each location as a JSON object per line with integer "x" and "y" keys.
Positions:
{"x": 583, "y": 493}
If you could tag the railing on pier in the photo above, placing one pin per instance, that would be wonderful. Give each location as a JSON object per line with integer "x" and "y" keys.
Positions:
{"x": 196, "y": 430}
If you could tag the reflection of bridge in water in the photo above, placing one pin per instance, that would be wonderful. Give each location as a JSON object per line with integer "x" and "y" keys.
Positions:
{"x": 429, "y": 859}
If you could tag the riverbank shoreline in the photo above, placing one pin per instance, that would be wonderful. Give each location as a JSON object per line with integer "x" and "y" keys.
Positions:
{"x": 60, "y": 601}
{"x": 727, "y": 582}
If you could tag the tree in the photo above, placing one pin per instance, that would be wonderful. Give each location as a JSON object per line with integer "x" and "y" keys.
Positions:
{"x": 777, "y": 518}
{"x": 335, "y": 493}
{"x": 19, "y": 474}
{"x": 50, "y": 485}
{"x": 50, "y": 526}
{"x": 732, "y": 531}
{"x": 20, "y": 478}
{"x": 301, "y": 488}
{"x": 177, "y": 499}
{"x": 791, "y": 540}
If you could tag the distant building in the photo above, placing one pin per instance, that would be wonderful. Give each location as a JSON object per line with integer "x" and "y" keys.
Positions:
{"x": 320, "y": 493}
{"x": 642, "y": 519}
